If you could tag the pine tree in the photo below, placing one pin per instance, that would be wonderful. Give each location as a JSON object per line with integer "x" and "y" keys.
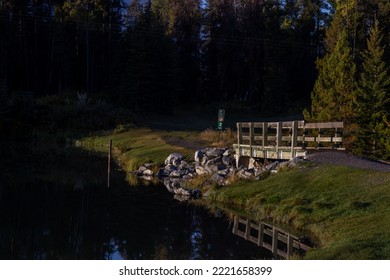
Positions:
{"x": 373, "y": 102}
{"x": 335, "y": 88}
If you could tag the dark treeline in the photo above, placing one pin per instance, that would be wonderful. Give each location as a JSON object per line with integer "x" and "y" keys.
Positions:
{"x": 265, "y": 55}
{"x": 164, "y": 52}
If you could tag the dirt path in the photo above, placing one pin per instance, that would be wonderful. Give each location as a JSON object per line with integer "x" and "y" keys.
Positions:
{"x": 341, "y": 158}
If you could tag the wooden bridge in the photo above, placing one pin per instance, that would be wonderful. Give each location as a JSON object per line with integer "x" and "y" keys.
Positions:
{"x": 286, "y": 140}
{"x": 279, "y": 242}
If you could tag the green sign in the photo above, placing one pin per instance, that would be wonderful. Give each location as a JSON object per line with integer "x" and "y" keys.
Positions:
{"x": 221, "y": 118}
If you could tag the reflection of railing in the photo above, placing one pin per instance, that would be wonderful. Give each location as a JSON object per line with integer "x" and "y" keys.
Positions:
{"x": 277, "y": 241}
{"x": 286, "y": 140}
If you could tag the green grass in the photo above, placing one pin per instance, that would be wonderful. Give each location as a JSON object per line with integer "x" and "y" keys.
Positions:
{"x": 138, "y": 146}
{"x": 344, "y": 210}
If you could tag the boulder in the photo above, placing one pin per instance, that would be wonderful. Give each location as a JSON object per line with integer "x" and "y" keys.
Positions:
{"x": 163, "y": 173}
{"x": 220, "y": 180}
{"x": 214, "y": 152}
{"x": 211, "y": 166}
{"x": 141, "y": 169}
{"x": 172, "y": 157}
{"x": 272, "y": 166}
{"x": 170, "y": 167}
{"x": 245, "y": 174}
{"x": 227, "y": 160}
{"x": 148, "y": 172}
{"x": 200, "y": 170}
{"x": 175, "y": 174}
{"x": 228, "y": 153}
{"x": 181, "y": 191}
{"x": 251, "y": 164}
{"x": 198, "y": 156}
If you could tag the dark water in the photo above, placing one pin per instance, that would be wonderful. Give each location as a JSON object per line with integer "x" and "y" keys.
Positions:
{"x": 56, "y": 205}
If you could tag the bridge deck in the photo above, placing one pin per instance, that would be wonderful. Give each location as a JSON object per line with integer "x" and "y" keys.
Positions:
{"x": 286, "y": 140}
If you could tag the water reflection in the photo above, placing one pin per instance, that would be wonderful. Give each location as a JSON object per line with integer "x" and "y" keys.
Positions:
{"x": 59, "y": 207}
{"x": 280, "y": 242}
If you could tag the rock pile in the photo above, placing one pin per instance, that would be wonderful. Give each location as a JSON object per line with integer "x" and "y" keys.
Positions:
{"x": 217, "y": 163}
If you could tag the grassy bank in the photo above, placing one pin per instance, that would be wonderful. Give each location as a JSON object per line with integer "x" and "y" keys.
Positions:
{"x": 134, "y": 147}
{"x": 345, "y": 210}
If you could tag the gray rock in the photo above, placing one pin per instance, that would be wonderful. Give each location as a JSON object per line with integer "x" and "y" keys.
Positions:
{"x": 198, "y": 156}
{"x": 223, "y": 172}
{"x": 148, "y": 165}
{"x": 218, "y": 179}
{"x": 227, "y": 160}
{"x": 252, "y": 163}
{"x": 200, "y": 170}
{"x": 183, "y": 165}
{"x": 176, "y": 162}
{"x": 272, "y": 166}
{"x": 147, "y": 178}
{"x": 148, "y": 172}
{"x": 170, "y": 167}
{"x": 245, "y": 174}
{"x": 163, "y": 173}
{"x": 214, "y": 152}
{"x": 211, "y": 166}
{"x": 175, "y": 174}
{"x": 141, "y": 169}
{"x": 172, "y": 157}
{"x": 228, "y": 153}
{"x": 181, "y": 191}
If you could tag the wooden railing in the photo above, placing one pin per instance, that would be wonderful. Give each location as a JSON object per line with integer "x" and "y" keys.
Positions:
{"x": 279, "y": 242}
{"x": 286, "y": 140}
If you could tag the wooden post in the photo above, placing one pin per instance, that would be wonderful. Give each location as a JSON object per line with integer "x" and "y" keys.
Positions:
{"x": 279, "y": 134}
{"x": 109, "y": 163}
{"x": 265, "y": 134}
{"x": 247, "y": 229}
{"x": 274, "y": 240}
{"x": 261, "y": 235}
{"x": 294, "y": 137}
{"x": 239, "y": 134}
{"x": 235, "y": 225}
{"x": 251, "y": 137}
{"x": 290, "y": 243}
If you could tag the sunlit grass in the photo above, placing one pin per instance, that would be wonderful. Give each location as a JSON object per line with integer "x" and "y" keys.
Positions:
{"x": 345, "y": 210}
{"x": 138, "y": 146}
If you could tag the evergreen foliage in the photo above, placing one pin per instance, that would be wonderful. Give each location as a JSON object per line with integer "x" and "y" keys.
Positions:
{"x": 373, "y": 102}
{"x": 334, "y": 91}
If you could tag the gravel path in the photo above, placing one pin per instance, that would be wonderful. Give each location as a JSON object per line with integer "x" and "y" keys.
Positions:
{"x": 342, "y": 158}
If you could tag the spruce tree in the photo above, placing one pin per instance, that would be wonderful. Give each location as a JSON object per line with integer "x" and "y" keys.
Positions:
{"x": 334, "y": 90}
{"x": 373, "y": 102}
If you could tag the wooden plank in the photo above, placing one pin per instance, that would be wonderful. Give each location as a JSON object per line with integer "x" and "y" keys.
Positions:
{"x": 324, "y": 125}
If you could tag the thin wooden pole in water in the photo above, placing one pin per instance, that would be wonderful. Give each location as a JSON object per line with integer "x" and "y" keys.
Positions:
{"x": 109, "y": 163}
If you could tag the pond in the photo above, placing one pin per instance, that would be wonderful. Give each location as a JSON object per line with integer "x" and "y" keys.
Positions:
{"x": 55, "y": 204}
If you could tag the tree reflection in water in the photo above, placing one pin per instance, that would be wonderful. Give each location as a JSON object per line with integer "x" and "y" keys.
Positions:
{"x": 61, "y": 209}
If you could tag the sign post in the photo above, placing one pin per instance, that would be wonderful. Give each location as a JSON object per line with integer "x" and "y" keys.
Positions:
{"x": 221, "y": 118}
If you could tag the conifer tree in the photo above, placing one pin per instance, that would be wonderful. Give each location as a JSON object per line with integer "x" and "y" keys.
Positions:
{"x": 373, "y": 100}
{"x": 334, "y": 90}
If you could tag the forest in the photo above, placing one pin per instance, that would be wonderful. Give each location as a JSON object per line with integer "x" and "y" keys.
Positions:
{"x": 326, "y": 59}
